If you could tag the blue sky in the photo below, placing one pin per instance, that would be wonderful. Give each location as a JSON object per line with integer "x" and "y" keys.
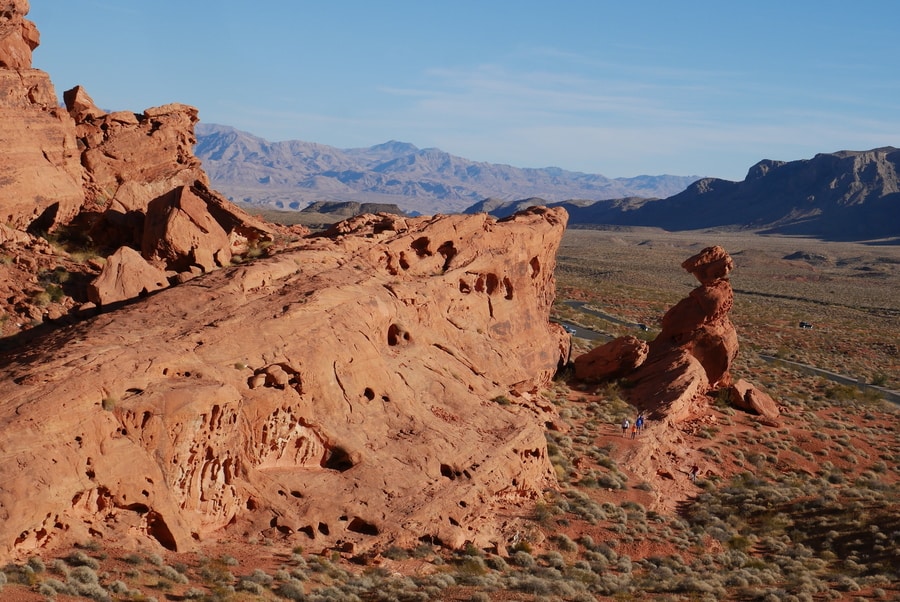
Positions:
{"x": 617, "y": 88}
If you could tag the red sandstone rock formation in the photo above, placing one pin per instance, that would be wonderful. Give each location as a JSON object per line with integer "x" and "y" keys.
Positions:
{"x": 41, "y": 183}
{"x": 337, "y": 394}
{"x": 612, "y": 360}
{"x": 697, "y": 344}
{"x": 747, "y": 397}
{"x": 690, "y": 358}
{"x": 100, "y": 174}
{"x": 692, "y": 354}
{"x": 125, "y": 275}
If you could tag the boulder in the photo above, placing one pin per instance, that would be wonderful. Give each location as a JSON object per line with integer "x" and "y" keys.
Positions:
{"x": 125, "y": 275}
{"x": 745, "y": 396}
{"x": 612, "y": 360}
{"x": 18, "y": 36}
{"x": 180, "y": 231}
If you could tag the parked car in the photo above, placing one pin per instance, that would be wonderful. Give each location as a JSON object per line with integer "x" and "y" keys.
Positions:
{"x": 806, "y": 325}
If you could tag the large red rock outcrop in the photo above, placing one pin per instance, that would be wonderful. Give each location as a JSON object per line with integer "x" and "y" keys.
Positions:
{"x": 41, "y": 182}
{"x": 691, "y": 356}
{"x": 338, "y": 394}
{"x": 693, "y": 352}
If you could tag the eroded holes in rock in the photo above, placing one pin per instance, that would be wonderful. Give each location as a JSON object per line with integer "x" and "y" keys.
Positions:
{"x": 134, "y": 391}
{"x": 323, "y": 529}
{"x": 343, "y": 518}
{"x": 420, "y": 246}
{"x": 433, "y": 540}
{"x": 467, "y": 474}
{"x": 338, "y": 459}
{"x": 214, "y": 416}
{"x": 308, "y": 530}
{"x": 464, "y": 287}
{"x": 145, "y": 493}
{"x": 251, "y": 504}
{"x": 462, "y": 504}
{"x": 137, "y": 507}
{"x": 448, "y": 472}
{"x": 385, "y": 398}
{"x": 403, "y": 261}
{"x": 195, "y": 536}
{"x": 479, "y": 284}
{"x": 508, "y": 287}
{"x": 397, "y": 335}
{"x": 369, "y": 394}
{"x": 144, "y": 419}
{"x": 165, "y": 371}
{"x": 492, "y": 283}
{"x": 284, "y": 529}
{"x": 515, "y": 482}
{"x": 296, "y": 494}
{"x": 78, "y": 440}
{"x": 159, "y": 530}
{"x": 448, "y": 252}
{"x": 273, "y": 522}
{"x": 453, "y": 521}
{"x": 358, "y": 525}
{"x": 531, "y": 453}
{"x": 535, "y": 265}
{"x": 90, "y": 474}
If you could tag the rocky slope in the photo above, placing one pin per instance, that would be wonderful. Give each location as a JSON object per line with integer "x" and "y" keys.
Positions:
{"x": 289, "y": 175}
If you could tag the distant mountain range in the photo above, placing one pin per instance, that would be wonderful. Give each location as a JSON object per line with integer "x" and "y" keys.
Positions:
{"x": 847, "y": 195}
{"x": 293, "y": 174}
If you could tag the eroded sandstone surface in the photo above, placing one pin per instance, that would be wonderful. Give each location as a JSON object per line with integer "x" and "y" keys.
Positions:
{"x": 338, "y": 393}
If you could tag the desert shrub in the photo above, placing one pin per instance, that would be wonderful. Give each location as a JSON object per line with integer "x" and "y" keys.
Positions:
{"x": 171, "y": 574}
{"x": 522, "y": 559}
{"x": 564, "y": 543}
{"x": 79, "y": 558}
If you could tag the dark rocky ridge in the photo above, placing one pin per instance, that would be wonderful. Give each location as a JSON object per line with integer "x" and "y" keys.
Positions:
{"x": 291, "y": 174}
{"x": 847, "y": 195}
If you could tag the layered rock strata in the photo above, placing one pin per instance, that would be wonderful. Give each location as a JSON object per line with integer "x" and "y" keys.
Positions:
{"x": 41, "y": 180}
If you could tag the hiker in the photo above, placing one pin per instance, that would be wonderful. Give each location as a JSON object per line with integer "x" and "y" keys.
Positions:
{"x": 634, "y": 430}
{"x": 693, "y": 474}
{"x": 625, "y": 424}
{"x": 639, "y": 423}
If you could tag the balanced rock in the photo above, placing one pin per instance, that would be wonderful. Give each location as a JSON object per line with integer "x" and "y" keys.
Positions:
{"x": 337, "y": 395}
{"x": 692, "y": 354}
